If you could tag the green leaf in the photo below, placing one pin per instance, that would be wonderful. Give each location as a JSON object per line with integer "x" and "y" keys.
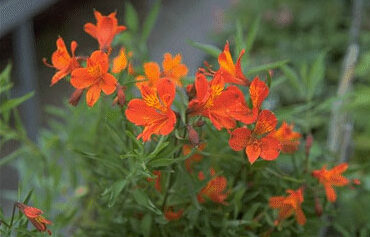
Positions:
{"x": 207, "y": 48}
{"x": 146, "y": 224}
{"x": 28, "y": 196}
{"x": 160, "y": 146}
{"x": 316, "y": 75}
{"x": 293, "y": 78}
{"x": 268, "y": 80}
{"x": 239, "y": 41}
{"x": 12, "y": 103}
{"x": 115, "y": 190}
{"x": 15, "y": 154}
{"x": 5, "y": 75}
{"x": 131, "y": 17}
{"x": 341, "y": 229}
{"x": 143, "y": 200}
{"x": 266, "y": 67}
{"x": 161, "y": 162}
{"x": 149, "y": 21}
{"x": 252, "y": 33}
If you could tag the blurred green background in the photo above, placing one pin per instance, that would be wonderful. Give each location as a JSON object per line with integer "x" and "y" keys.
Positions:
{"x": 325, "y": 43}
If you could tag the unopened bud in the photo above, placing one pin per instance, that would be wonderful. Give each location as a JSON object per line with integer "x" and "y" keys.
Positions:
{"x": 318, "y": 206}
{"x": 131, "y": 70}
{"x": 75, "y": 97}
{"x": 199, "y": 123}
{"x": 121, "y": 96}
{"x": 309, "y": 141}
{"x": 190, "y": 91}
{"x": 356, "y": 181}
{"x": 193, "y": 136}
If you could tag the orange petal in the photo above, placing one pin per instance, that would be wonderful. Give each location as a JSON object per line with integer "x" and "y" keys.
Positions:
{"x": 258, "y": 91}
{"x": 238, "y": 69}
{"x": 270, "y": 148}
{"x": 276, "y": 202}
{"x": 166, "y": 91}
{"x": 253, "y": 151}
{"x": 98, "y": 58}
{"x": 58, "y": 76}
{"x": 225, "y": 60}
{"x": 139, "y": 113}
{"x": 80, "y": 78}
{"x": 300, "y": 217}
{"x": 201, "y": 87}
{"x": 152, "y": 72}
{"x": 73, "y": 47}
{"x": 60, "y": 58}
{"x": 330, "y": 193}
{"x": 93, "y": 95}
{"x": 239, "y": 138}
{"x": 266, "y": 122}
{"x": 90, "y": 29}
{"x": 109, "y": 83}
{"x": 340, "y": 168}
{"x": 120, "y": 62}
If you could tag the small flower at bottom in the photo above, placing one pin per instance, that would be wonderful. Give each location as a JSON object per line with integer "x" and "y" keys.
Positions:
{"x": 214, "y": 190}
{"x": 330, "y": 178}
{"x": 289, "y": 205}
{"x": 154, "y": 110}
{"x": 186, "y": 149}
{"x": 157, "y": 180}
{"x": 62, "y": 61}
{"x": 34, "y": 215}
{"x": 259, "y": 142}
{"x": 171, "y": 215}
{"x": 95, "y": 77}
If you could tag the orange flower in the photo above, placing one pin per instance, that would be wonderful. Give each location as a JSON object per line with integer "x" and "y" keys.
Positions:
{"x": 288, "y": 139}
{"x": 95, "y": 77}
{"x": 330, "y": 178}
{"x": 157, "y": 180}
{"x": 259, "y": 142}
{"x": 172, "y": 215}
{"x": 289, "y": 205}
{"x": 214, "y": 190}
{"x": 152, "y": 74}
{"x": 230, "y": 72}
{"x": 105, "y": 29}
{"x": 222, "y": 106}
{"x": 154, "y": 110}
{"x": 120, "y": 62}
{"x": 62, "y": 61}
{"x": 172, "y": 69}
{"x": 34, "y": 215}
{"x": 186, "y": 149}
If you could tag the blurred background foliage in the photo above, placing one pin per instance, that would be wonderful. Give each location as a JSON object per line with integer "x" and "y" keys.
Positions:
{"x": 88, "y": 172}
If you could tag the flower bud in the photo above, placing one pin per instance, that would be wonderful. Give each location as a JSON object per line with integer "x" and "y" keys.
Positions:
{"x": 318, "y": 206}
{"x": 193, "y": 136}
{"x": 190, "y": 91}
{"x": 199, "y": 123}
{"x": 308, "y": 145}
{"x": 75, "y": 97}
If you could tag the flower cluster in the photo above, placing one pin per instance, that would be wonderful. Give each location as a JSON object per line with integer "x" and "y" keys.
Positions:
{"x": 95, "y": 76}
{"x": 225, "y": 98}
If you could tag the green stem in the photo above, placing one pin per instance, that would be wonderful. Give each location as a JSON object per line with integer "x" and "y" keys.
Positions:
{"x": 283, "y": 176}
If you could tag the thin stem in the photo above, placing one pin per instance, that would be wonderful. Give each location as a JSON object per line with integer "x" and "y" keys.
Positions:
{"x": 12, "y": 219}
